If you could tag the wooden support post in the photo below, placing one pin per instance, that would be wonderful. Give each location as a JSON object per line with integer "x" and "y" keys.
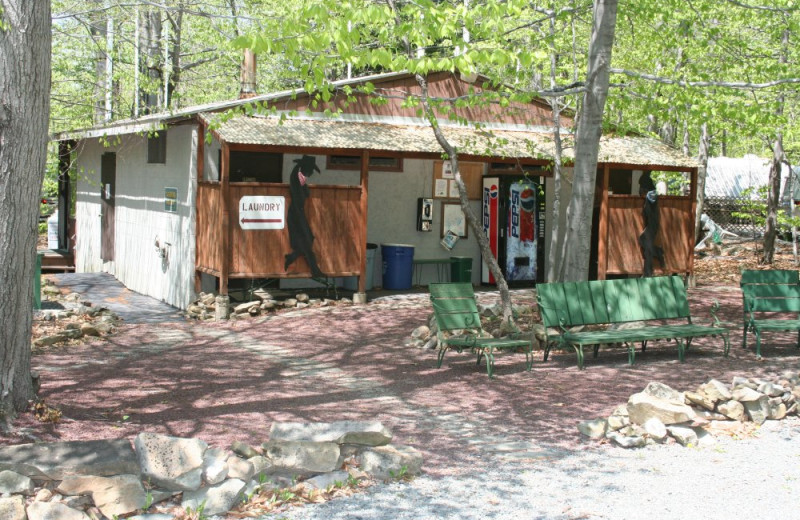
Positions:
{"x": 201, "y": 157}
{"x": 602, "y": 226}
{"x": 226, "y": 221}
{"x": 64, "y": 160}
{"x": 362, "y": 229}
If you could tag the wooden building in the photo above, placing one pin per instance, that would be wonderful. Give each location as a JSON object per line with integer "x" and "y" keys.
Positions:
{"x": 159, "y": 201}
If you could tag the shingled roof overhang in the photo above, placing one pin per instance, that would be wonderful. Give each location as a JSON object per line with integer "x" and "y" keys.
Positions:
{"x": 315, "y": 135}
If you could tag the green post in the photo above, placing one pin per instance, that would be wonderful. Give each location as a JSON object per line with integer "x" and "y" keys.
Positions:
{"x": 37, "y": 282}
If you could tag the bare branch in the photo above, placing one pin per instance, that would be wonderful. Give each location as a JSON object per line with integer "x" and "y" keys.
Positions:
{"x": 738, "y": 85}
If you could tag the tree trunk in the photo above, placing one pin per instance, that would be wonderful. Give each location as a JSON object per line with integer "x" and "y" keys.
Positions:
{"x": 176, "y": 22}
{"x": 554, "y": 262}
{"x": 702, "y": 157}
{"x": 773, "y": 196}
{"x": 587, "y": 142}
{"x": 151, "y": 61}
{"x": 24, "y": 112}
{"x": 474, "y": 223}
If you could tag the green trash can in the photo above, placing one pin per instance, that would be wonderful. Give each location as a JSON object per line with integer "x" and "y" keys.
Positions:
{"x": 461, "y": 269}
{"x": 37, "y": 282}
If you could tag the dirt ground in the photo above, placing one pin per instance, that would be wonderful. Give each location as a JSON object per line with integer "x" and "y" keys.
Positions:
{"x": 229, "y": 381}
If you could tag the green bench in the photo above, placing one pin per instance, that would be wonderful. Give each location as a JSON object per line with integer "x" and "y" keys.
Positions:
{"x": 765, "y": 296}
{"x": 456, "y": 312}
{"x": 607, "y": 302}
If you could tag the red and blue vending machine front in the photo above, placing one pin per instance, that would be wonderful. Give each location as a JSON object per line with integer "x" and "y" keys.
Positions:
{"x": 513, "y": 220}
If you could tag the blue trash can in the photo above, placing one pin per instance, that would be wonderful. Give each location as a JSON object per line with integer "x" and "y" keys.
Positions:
{"x": 398, "y": 265}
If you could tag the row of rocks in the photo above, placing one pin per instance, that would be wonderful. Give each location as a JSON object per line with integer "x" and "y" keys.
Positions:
{"x": 160, "y": 475}
{"x": 211, "y": 306}
{"x": 77, "y": 318}
{"x": 662, "y": 414}
{"x": 426, "y": 336}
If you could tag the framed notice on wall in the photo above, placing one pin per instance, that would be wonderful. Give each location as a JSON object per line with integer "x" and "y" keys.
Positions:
{"x": 453, "y": 220}
{"x": 444, "y": 183}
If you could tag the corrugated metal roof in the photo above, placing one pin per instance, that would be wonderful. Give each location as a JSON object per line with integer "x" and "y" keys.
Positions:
{"x": 729, "y": 176}
{"x": 352, "y": 135}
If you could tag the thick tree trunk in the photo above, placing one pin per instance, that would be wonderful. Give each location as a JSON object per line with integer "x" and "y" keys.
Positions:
{"x": 24, "y": 112}
{"x": 151, "y": 63}
{"x": 773, "y": 196}
{"x": 553, "y": 270}
{"x": 587, "y": 142}
{"x": 702, "y": 157}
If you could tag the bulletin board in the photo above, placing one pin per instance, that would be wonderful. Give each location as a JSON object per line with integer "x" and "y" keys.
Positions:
{"x": 444, "y": 185}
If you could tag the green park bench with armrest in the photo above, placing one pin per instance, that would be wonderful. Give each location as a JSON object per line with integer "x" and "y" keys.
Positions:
{"x": 455, "y": 311}
{"x": 767, "y": 297}
{"x": 566, "y": 305}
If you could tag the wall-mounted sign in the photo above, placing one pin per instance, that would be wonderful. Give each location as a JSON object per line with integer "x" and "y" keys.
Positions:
{"x": 261, "y": 212}
{"x": 171, "y": 200}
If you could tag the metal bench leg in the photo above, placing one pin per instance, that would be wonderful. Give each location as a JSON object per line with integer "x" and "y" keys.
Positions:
{"x": 644, "y": 346}
{"x": 681, "y": 350}
{"x": 758, "y": 343}
{"x": 489, "y": 362}
{"x": 579, "y": 353}
{"x": 442, "y": 351}
{"x": 596, "y": 350}
{"x": 631, "y": 353}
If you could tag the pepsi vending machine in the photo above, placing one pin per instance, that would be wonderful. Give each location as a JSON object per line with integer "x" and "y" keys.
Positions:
{"x": 513, "y": 220}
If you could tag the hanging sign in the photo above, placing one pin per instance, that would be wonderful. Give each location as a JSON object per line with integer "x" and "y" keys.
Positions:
{"x": 262, "y": 212}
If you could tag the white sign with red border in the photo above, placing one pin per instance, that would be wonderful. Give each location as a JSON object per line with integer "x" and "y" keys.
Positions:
{"x": 262, "y": 212}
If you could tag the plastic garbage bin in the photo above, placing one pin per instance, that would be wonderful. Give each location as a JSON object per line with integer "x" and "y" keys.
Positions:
{"x": 461, "y": 269}
{"x": 351, "y": 282}
{"x": 398, "y": 265}
{"x": 37, "y": 282}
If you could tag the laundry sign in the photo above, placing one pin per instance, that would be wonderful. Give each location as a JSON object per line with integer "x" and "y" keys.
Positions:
{"x": 262, "y": 212}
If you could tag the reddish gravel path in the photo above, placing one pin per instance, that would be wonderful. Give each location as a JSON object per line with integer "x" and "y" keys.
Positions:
{"x": 225, "y": 382}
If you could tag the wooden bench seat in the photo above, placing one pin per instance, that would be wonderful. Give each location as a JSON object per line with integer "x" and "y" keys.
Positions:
{"x": 771, "y": 302}
{"x": 456, "y": 311}
{"x": 660, "y": 303}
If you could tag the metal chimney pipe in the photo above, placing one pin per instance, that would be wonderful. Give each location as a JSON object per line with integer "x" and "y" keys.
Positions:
{"x": 248, "y": 82}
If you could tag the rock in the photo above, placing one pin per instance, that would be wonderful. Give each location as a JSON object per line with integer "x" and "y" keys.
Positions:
{"x": 707, "y": 415}
{"x": 46, "y": 341}
{"x": 221, "y": 307}
{"x": 208, "y": 299}
{"x": 57, "y": 460}
{"x": 171, "y": 463}
{"x": 421, "y": 333}
{"x": 302, "y": 298}
{"x": 12, "y": 508}
{"x": 664, "y": 392}
{"x": 152, "y": 516}
{"x": 268, "y": 305}
{"x": 54, "y": 511}
{"x": 290, "y": 302}
{"x": 776, "y": 409}
{"x": 758, "y": 410}
{"x": 51, "y": 290}
{"x": 699, "y": 400}
{"x": 742, "y": 382}
{"x": 683, "y": 434}
{"x": 215, "y": 467}
{"x": 87, "y": 329}
{"x": 114, "y": 496}
{"x": 327, "y": 480}
{"x": 195, "y": 309}
{"x": 745, "y": 394}
{"x": 655, "y": 429}
{"x": 14, "y": 483}
{"x": 260, "y": 465}
{"x": 624, "y": 441}
{"x": 705, "y": 439}
{"x": 244, "y": 308}
{"x": 619, "y": 418}
{"x": 243, "y": 449}
{"x": 386, "y": 462}
{"x": 594, "y": 429}
{"x": 303, "y": 456}
{"x": 771, "y": 390}
{"x": 240, "y": 468}
{"x": 367, "y": 433}
{"x": 104, "y": 327}
{"x": 43, "y": 495}
{"x": 301, "y": 305}
{"x": 216, "y": 500}
{"x": 643, "y": 406}
{"x": 732, "y": 409}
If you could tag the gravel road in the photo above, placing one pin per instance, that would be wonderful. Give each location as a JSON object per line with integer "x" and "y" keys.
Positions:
{"x": 754, "y": 478}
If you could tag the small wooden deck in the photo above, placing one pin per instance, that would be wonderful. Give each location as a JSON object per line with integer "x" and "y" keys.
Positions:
{"x": 57, "y": 261}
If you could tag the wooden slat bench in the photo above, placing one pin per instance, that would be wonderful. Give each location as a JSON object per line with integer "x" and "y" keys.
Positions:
{"x": 608, "y": 302}
{"x": 767, "y": 298}
{"x": 456, "y": 311}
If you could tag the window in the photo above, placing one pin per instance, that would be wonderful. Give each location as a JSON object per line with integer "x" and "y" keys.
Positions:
{"x": 256, "y": 167}
{"x": 157, "y": 148}
{"x": 376, "y": 163}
